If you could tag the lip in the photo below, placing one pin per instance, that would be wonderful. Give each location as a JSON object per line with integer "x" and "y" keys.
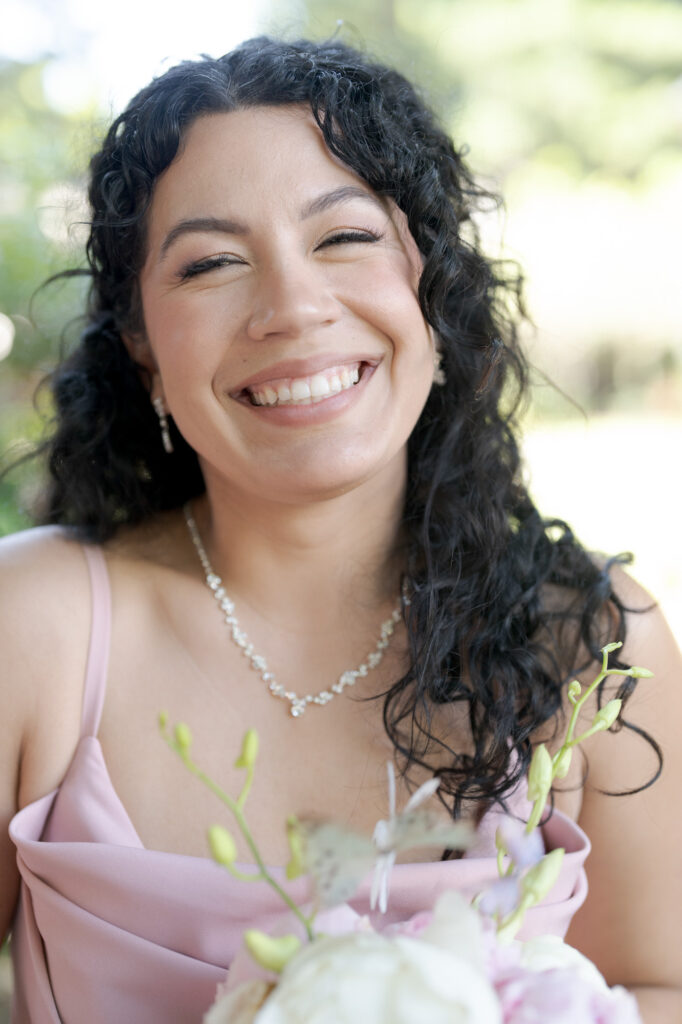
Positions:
{"x": 303, "y": 368}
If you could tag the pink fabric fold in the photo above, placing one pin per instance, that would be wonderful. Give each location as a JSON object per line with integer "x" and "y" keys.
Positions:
{"x": 107, "y": 932}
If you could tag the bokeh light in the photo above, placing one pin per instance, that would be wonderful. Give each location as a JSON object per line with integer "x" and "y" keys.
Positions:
{"x": 7, "y": 332}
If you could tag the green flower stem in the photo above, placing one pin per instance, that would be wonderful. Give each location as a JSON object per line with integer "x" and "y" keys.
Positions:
{"x": 235, "y": 806}
{"x": 509, "y": 926}
{"x": 241, "y": 799}
{"x": 536, "y": 813}
{"x": 571, "y": 741}
{"x": 592, "y": 731}
{"x": 244, "y": 876}
{"x": 543, "y": 771}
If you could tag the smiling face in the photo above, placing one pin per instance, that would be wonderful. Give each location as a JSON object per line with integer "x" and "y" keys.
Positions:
{"x": 280, "y": 307}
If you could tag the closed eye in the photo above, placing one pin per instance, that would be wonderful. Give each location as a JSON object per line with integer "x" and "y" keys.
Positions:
{"x": 223, "y": 259}
{"x": 348, "y": 237}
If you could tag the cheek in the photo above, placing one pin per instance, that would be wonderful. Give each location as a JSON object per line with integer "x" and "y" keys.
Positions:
{"x": 184, "y": 337}
{"x": 390, "y": 299}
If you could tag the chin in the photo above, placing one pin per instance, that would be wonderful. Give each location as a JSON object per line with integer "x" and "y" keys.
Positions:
{"x": 309, "y": 481}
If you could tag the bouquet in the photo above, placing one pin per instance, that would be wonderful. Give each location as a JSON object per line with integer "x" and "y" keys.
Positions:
{"x": 455, "y": 963}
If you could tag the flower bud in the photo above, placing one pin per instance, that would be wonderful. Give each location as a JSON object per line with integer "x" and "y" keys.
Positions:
{"x": 183, "y": 736}
{"x": 640, "y": 673}
{"x": 223, "y": 848}
{"x": 249, "y": 751}
{"x": 607, "y": 715}
{"x": 540, "y": 774}
{"x": 273, "y": 954}
{"x": 538, "y": 881}
{"x": 563, "y": 763}
{"x": 163, "y": 720}
{"x": 610, "y": 648}
{"x": 574, "y": 691}
{"x": 296, "y": 865}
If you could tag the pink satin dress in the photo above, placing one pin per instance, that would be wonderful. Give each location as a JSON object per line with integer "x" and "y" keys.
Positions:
{"x": 108, "y": 932}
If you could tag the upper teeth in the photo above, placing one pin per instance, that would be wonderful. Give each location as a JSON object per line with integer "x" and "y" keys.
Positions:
{"x": 305, "y": 390}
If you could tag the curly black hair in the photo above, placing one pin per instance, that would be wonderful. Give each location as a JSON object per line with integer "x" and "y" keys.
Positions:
{"x": 505, "y": 606}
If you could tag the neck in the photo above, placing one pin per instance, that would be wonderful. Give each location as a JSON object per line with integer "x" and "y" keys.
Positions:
{"x": 310, "y": 562}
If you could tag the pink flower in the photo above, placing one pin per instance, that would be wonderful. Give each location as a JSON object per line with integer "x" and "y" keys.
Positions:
{"x": 562, "y": 996}
{"x": 412, "y": 928}
{"x": 552, "y": 981}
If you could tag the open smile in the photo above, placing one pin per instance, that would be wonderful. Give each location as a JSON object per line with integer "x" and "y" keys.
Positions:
{"x": 304, "y": 389}
{"x": 305, "y": 400}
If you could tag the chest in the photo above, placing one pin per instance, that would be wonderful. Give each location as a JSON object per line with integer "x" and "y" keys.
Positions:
{"x": 330, "y": 764}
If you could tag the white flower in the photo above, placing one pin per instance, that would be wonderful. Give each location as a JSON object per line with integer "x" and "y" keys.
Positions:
{"x": 366, "y": 978}
{"x": 240, "y": 1005}
{"x": 455, "y": 925}
{"x": 549, "y": 951}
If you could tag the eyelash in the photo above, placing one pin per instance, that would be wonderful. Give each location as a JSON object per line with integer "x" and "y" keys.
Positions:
{"x": 213, "y": 262}
{"x": 364, "y": 235}
{"x": 210, "y": 263}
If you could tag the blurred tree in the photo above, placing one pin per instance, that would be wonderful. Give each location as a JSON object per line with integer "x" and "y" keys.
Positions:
{"x": 40, "y": 193}
{"x": 601, "y": 79}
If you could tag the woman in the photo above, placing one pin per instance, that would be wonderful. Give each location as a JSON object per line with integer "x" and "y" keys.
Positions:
{"x": 292, "y": 329}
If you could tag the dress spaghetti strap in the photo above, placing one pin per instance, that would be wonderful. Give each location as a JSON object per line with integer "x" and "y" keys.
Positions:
{"x": 100, "y": 636}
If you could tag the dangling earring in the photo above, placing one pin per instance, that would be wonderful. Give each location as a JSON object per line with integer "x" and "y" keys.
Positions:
{"x": 438, "y": 371}
{"x": 160, "y": 410}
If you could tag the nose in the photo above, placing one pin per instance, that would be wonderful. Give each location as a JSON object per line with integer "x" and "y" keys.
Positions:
{"x": 292, "y": 299}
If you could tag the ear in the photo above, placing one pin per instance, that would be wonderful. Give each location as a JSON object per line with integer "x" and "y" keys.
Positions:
{"x": 140, "y": 351}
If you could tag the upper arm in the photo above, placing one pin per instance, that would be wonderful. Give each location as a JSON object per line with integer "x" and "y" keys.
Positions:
{"x": 44, "y": 613}
{"x": 15, "y": 704}
{"x": 630, "y": 921}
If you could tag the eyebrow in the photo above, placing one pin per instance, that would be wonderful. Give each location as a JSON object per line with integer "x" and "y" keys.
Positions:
{"x": 217, "y": 225}
{"x": 200, "y": 224}
{"x": 343, "y": 194}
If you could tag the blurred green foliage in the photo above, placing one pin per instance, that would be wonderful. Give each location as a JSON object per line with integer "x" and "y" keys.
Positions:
{"x": 42, "y": 155}
{"x": 596, "y": 81}
{"x": 41, "y": 162}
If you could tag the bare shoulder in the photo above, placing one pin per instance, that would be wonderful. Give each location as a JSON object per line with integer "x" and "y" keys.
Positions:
{"x": 628, "y": 757}
{"x": 636, "y": 836}
{"x": 44, "y": 632}
{"x": 42, "y": 545}
{"x": 44, "y": 590}
{"x": 45, "y": 612}
{"x": 655, "y": 706}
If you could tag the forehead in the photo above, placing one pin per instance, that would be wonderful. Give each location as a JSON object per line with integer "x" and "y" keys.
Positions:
{"x": 269, "y": 158}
